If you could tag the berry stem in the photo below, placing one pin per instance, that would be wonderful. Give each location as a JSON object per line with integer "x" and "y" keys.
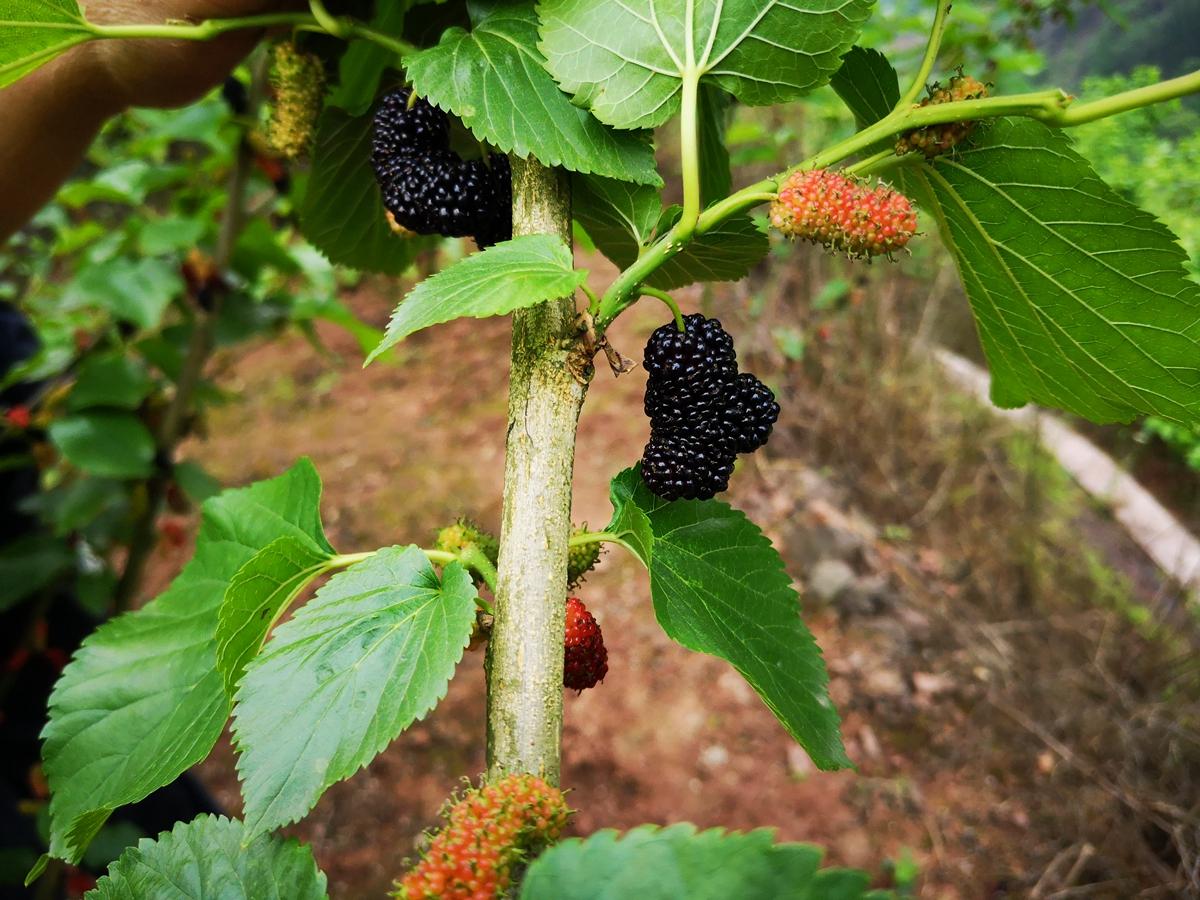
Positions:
{"x": 601, "y": 537}
{"x": 671, "y": 304}
{"x": 927, "y": 61}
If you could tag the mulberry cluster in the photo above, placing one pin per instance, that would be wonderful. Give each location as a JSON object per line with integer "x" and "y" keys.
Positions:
{"x": 585, "y": 659}
{"x": 702, "y": 411}
{"x": 934, "y": 139}
{"x": 488, "y": 833}
{"x": 427, "y": 187}
{"x": 298, "y": 82}
{"x": 843, "y": 213}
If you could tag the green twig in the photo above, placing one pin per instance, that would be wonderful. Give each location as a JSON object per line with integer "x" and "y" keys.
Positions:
{"x": 667, "y": 299}
{"x": 331, "y": 23}
{"x": 930, "y": 57}
{"x": 1134, "y": 99}
{"x": 871, "y": 165}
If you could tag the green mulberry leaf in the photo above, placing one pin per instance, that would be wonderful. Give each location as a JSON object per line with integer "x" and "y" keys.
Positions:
{"x": 719, "y": 587}
{"x": 369, "y": 655}
{"x": 522, "y": 272}
{"x": 626, "y": 59}
{"x": 494, "y": 79}
{"x": 209, "y": 858}
{"x": 142, "y": 700}
{"x": 652, "y": 863}
{"x": 1082, "y": 300}
{"x": 33, "y": 32}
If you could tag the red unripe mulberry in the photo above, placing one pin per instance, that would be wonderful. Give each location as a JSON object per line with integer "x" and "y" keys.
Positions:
{"x": 843, "y": 213}
{"x": 489, "y": 831}
{"x": 585, "y": 661}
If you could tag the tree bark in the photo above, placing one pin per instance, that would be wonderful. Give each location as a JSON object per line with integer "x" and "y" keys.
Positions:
{"x": 525, "y": 656}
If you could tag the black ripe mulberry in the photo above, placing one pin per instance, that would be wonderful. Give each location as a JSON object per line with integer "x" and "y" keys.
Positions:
{"x": 427, "y": 187}
{"x": 702, "y": 411}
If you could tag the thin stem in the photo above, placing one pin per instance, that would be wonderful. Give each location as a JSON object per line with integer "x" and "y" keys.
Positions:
{"x": 200, "y": 31}
{"x": 1127, "y": 100}
{"x": 333, "y": 25}
{"x": 345, "y": 560}
{"x": 930, "y": 57}
{"x": 689, "y": 151}
{"x": 212, "y": 28}
{"x": 593, "y": 299}
{"x": 872, "y": 163}
{"x": 594, "y": 537}
{"x": 669, "y": 300}
{"x": 474, "y": 558}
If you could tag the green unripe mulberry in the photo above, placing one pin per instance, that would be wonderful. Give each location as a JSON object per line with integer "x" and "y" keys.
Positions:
{"x": 465, "y": 533}
{"x": 298, "y": 83}
{"x": 581, "y": 558}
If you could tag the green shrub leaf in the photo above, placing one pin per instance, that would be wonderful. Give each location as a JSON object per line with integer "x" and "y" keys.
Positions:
{"x": 33, "y": 32}
{"x": 494, "y": 79}
{"x": 653, "y": 863}
{"x": 110, "y": 379}
{"x": 361, "y": 67}
{"x": 1082, "y": 299}
{"x": 369, "y": 655}
{"x": 867, "y": 84}
{"x": 107, "y": 443}
{"x": 210, "y": 859}
{"x": 623, "y": 218}
{"x": 719, "y": 587}
{"x": 342, "y": 211}
{"x": 522, "y": 272}
{"x": 257, "y": 596}
{"x": 142, "y": 699}
{"x": 626, "y": 59}
{"x": 727, "y": 253}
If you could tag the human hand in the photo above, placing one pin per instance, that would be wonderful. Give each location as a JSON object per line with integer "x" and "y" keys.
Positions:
{"x": 169, "y": 73}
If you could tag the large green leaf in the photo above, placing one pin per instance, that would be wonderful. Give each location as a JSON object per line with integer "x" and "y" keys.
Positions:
{"x": 494, "y": 79}
{"x": 33, "y": 32}
{"x": 719, "y": 587}
{"x": 727, "y": 253}
{"x": 712, "y": 118}
{"x": 110, "y": 379}
{"x": 867, "y": 84}
{"x": 107, "y": 443}
{"x": 522, "y": 272}
{"x": 30, "y": 563}
{"x": 369, "y": 655}
{"x": 1081, "y": 299}
{"x": 622, "y": 218}
{"x": 652, "y": 863}
{"x": 258, "y": 594}
{"x": 342, "y": 210}
{"x": 626, "y": 59}
{"x": 142, "y": 700}
{"x": 618, "y": 216}
{"x": 210, "y": 859}
{"x": 136, "y": 291}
